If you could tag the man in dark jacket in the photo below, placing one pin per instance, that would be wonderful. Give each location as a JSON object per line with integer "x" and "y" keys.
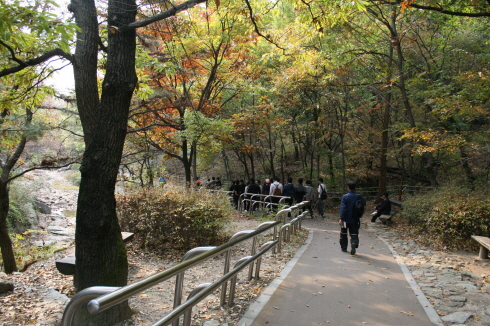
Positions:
{"x": 253, "y": 188}
{"x": 299, "y": 191}
{"x": 349, "y": 219}
{"x": 289, "y": 191}
{"x": 383, "y": 208}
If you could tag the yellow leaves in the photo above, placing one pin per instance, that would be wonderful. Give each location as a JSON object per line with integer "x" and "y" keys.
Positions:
{"x": 429, "y": 140}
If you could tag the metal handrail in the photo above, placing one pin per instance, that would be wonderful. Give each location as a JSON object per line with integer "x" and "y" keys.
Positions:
{"x": 122, "y": 294}
{"x": 179, "y": 281}
{"x": 264, "y": 226}
{"x": 176, "y": 313}
{"x": 82, "y": 297}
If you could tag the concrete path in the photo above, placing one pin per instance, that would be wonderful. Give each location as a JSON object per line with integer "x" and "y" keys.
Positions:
{"x": 325, "y": 286}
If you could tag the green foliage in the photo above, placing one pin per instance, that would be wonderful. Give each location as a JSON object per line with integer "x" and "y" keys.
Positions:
{"x": 22, "y": 204}
{"x": 25, "y": 252}
{"x": 449, "y": 216}
{"x": 74, "y": 177}
{"x": 179, "y": 218}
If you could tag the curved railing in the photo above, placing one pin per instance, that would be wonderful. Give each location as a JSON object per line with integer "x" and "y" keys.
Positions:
{"x": 102, "y": 298}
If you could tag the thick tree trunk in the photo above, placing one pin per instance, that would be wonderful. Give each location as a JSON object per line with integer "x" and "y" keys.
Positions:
{"x": 8, "y": 257}
{"x": 85, "y": 64}
{"x": 100, "y": 253}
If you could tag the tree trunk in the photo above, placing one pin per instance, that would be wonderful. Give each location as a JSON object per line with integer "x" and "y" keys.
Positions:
{"x": 8, "y": 257}
{"x": 386, "y": 123}
{"x": 470, "y": 176}
{"x": 194, "y": 161}
{"x": 100, "y": 253}
{"x": 271, "y": 153}
{"x": 6, "y": 248}
{"x": 85, "y": 64}
{"x": 226, "y": 164}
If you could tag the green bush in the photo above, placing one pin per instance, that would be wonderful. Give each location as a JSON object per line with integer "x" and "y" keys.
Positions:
{"x": 449, "y": 216}
{"x": 74, "y": 176}
{"x": 175, "y": 217}
{"x": 21, "y": 214}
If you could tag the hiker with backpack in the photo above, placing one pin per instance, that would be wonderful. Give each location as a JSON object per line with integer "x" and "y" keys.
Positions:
{"x": 322, "y": 196}
{"x": 351, "y": 210}
{"x": 276, "y": 190}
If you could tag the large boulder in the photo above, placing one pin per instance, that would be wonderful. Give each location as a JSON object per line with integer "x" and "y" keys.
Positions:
{"x": 42, "y": 207}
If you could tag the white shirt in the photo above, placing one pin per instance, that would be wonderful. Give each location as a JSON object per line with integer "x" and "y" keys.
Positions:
{"x": 274, "y": 186}
{"x": 321, "y": 187}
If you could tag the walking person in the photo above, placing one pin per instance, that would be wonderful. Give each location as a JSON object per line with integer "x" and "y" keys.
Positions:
{"x": 266, "y": 188}
{"x": 289, "y": 191}
{"x": 275, "y": 190}
{"x": 309, "y": 193}
{"x": 299, "y": 191}
{"x": 254, "y": 189}
{"x": 236, "y": 193}
{"x": 322, "y": 195}
{"x": 351, "y": 208}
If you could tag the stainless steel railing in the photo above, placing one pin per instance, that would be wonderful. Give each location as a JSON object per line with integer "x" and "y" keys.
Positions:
{"x": 102, "y": 298}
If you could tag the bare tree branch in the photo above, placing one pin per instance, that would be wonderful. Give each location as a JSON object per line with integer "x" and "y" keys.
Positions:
{"x": 163, "y": 15}
{"x": 42, "y": 168}
{"x": 444, "y": 11}
{"x": 33, "y": 62}
{"x": 250, "y": 10}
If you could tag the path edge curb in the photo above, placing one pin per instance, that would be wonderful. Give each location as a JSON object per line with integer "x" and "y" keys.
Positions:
{"x": 256, "y": 307}
{"x": 424, "y": 302}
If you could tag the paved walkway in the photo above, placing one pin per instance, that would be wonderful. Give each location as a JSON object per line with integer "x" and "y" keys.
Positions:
{"x": 324, "y": 286}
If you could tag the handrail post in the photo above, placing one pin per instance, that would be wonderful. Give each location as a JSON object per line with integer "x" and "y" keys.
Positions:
{"x": 188, "y": 313}
{"x": 259, "y": 261}
{"x": 237, "y": 235}
{"x": 179, "y": 280}
{"x": 231, "y": 298}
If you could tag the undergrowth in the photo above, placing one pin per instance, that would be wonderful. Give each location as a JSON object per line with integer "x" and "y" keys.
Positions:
{"x": 26, "y": 253}
{"x": 175, "y": 217}
{"x": 448, "y": 217}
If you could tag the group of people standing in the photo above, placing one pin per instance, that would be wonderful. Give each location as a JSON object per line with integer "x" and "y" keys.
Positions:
{"x": 295, "y": 193}
{"x": 212, "y": 183}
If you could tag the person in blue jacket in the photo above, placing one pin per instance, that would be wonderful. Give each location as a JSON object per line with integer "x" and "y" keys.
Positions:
{"x": 349, "y": 219}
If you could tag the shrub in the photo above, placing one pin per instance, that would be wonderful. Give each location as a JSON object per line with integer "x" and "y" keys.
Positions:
{"x": 74, "y": 177}
{"x": 449, "y": 216}
{"x": 21, "y": 214}
{"x": 26, "y": 253}
{"x": 175, "y": 217}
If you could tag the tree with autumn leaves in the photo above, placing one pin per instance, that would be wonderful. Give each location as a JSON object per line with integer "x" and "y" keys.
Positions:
{"x": 195, "y": 58}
